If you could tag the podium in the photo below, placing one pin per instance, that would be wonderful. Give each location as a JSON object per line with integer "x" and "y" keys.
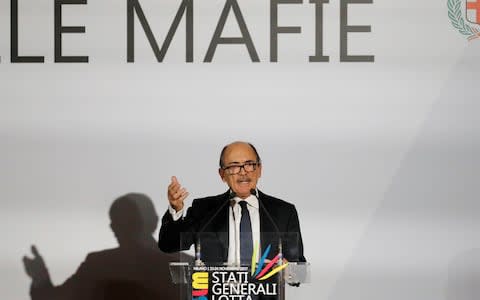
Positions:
{"x": 267, "y": 279}
{"x": 226, "y": 284}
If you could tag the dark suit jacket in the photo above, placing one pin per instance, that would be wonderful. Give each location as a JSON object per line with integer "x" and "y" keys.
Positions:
{"x": 181, "y": 234}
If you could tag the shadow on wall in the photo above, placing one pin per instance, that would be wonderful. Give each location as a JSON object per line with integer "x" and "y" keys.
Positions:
{"x": 136, "y": 269}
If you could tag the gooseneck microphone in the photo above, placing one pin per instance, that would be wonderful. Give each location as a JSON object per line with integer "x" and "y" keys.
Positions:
{"x": 198, "y": 247}
{"x": 280, "y": 249}
{"x": 232, "y": 207}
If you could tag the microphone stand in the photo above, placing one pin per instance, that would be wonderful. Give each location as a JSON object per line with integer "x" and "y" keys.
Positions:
{"x": 280, "y": 248}
{"x": 281, "y": 279}
{"x": 236, "y": 261}
{"x": 198, "y": 247}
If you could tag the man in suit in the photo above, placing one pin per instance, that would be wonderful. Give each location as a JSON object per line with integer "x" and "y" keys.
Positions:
{"x": 227, "y": 226}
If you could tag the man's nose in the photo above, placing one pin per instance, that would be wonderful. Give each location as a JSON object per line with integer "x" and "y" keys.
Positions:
{"x": 242, "y": 170}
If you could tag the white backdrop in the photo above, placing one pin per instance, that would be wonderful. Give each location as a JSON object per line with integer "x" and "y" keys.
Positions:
{"x": 379, "y": 158}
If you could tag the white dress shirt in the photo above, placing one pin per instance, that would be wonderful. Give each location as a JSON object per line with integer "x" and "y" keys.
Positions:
{"x": 234, "y": 228}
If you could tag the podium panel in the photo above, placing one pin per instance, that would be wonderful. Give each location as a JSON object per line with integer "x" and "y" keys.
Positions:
{"x": 213, "y": 247}
{"x": 217, "y": 282}
{"x": 214, "y": 275}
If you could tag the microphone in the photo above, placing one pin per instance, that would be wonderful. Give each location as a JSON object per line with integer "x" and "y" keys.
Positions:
{"x": 198, "y": 248}
{"x": 280, "y": 249}
{"x": 232, "y": 206}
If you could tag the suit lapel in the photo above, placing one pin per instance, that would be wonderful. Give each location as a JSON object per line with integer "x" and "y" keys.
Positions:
{"x": 266, "y": 227}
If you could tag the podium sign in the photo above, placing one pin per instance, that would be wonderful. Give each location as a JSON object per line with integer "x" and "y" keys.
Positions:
{"x": 222, "y": 282}
{"x": 230, "y": 283}
{"x": 272, "y": 266}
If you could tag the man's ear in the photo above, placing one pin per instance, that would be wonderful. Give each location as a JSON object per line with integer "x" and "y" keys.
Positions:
{"x": 259, "y": 170}
{"x": 221, "y": 172}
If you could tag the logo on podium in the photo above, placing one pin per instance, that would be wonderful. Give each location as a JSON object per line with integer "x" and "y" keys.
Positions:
{"x": 238, "y": 282}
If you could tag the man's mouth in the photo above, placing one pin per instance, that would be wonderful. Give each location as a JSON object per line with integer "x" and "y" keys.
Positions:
{"x": 244, "y": 180}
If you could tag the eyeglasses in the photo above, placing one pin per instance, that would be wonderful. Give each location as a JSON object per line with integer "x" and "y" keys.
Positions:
{"x": 247, "y": 167}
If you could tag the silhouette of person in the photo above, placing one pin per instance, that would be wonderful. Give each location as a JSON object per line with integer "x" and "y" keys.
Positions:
{"x": 136, "y": 269}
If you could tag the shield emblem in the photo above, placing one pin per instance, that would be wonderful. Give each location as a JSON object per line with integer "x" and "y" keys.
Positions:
{"x": 473, "y": 11}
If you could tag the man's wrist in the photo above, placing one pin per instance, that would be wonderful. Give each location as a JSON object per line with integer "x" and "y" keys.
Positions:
{"x": 176, "y": 214}
{"x": 177, "y": 208}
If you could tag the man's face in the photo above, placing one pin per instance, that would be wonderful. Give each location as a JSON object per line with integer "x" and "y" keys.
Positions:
{"x": 240, "y": 154}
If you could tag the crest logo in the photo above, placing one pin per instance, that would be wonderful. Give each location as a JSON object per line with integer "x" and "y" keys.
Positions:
{"x": 473, "y": 11}
{"x": 468, "y": 25}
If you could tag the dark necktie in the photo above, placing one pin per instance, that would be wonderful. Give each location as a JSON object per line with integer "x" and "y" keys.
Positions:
{"x": 246, "y": 243}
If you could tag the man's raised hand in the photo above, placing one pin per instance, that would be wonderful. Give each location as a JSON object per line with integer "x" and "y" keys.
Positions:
{"x": 176, "y": 194}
